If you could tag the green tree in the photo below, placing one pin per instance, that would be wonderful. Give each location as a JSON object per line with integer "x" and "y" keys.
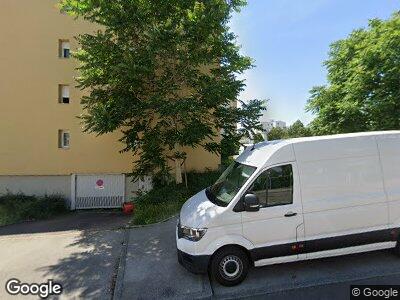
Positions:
{"x": 165, "y": 74}
{"x": 258, "y": 137}
{"x": 363, "y": 91}
{"x": 277, "y": 133}
{"x": 297, "y": 129}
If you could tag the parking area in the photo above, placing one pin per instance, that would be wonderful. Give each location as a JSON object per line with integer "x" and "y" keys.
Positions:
{"x": 83, "y": 252}
{"x": 152, "y": 272}
{"x": 80, "y": 251}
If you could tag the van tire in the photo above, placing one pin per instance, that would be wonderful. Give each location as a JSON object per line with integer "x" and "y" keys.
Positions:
{"x": 229, "y": 266}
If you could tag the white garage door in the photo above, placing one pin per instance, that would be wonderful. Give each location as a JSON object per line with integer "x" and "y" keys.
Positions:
{"x": 99, "y": 191}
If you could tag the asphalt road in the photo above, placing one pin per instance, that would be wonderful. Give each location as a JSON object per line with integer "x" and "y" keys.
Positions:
{"x": 80, "y": 251}
{"x": 328, "y": 278}
{"x": 339, "y": 290}
{"x": 152, "y": 272}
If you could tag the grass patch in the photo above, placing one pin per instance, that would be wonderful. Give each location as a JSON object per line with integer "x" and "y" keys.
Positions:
{"x": 165, "y": 201}
{"x": 19, "y": 207}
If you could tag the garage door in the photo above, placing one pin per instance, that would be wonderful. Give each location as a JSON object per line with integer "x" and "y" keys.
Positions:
{"x": 99, "y": 191}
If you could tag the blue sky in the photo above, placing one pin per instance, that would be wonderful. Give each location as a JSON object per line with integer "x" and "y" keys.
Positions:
{"x": 289, "y": 40}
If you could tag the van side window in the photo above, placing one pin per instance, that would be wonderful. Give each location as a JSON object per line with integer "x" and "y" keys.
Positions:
{"x": 274, "y": 186}
{"x": 280, "y": 185}
{"x": 259, "y": 188}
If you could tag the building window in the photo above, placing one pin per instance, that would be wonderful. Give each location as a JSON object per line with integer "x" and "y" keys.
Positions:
{"x": 63, "y": 139}
{"x": 63, "y": 93}
{"x": 64, "y": 48}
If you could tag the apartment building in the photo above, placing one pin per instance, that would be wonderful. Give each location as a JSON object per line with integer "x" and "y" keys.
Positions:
{"x": 268, "y": 124}
{"x": 42, "y": 147}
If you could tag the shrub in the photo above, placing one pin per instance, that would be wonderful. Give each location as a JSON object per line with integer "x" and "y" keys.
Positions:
{"x": 166, "y": 200}
{"x": 20, "y": 207}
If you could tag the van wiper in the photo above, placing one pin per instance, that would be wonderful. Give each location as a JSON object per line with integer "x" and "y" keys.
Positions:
{"x": 210, "y": 195}
{"x": 214, "y": 199}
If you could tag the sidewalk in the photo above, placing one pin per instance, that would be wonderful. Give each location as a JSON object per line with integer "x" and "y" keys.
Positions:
{"x": 79, "y": 250}
{"x": 152, "y": 270}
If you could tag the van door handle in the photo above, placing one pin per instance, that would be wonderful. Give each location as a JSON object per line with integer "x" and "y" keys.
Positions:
{"x": 290, "y": 214}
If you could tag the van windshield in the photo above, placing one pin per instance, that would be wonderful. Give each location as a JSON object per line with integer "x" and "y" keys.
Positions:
{"x": 230, "y": 182}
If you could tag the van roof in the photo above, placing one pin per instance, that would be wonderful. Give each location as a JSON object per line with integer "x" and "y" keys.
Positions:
{"x": 258, "y": 154}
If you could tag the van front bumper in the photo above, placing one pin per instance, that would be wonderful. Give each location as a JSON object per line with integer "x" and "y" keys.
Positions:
{"x": 197, "y": 264}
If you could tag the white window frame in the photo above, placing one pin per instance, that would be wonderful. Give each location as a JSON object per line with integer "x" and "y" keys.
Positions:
{"x": 62, "y": 139}
{"x": 64, "y": 90}
{"x": 64, "y": 44}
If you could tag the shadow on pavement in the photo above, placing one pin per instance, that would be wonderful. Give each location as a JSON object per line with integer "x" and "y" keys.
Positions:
{"x": 152, "y": 270}
{"x": 80, "y": 250}
{"x": 80, "y": 220}
{"x": 90, "y": 268}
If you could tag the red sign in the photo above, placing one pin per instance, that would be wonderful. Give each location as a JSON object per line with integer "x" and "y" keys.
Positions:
{"x": 100, "y": 184}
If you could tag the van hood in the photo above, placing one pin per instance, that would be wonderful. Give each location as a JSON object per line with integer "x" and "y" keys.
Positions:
{"x": 197, "y": 211}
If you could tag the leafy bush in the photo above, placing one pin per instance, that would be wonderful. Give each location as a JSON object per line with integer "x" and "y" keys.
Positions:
{"x": 164, "y": 201}
{"x": 19, "y": 207}
{"x": 152, "y": 213}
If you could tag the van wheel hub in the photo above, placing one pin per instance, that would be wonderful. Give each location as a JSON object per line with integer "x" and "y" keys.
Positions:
{"x": 230, "y": 267}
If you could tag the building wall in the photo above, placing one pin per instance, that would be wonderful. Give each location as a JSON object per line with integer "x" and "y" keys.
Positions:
{"x": 56, "y": 185}
{"x": 36, "y": 185}
{"x": 30, "y": 114}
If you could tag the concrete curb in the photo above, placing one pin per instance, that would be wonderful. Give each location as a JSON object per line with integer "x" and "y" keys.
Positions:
{"x": 119, "y": 281}
{"x": 152, "y": 224}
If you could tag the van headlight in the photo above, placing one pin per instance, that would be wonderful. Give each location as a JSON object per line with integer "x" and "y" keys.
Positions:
{"x": 193, "y": 234}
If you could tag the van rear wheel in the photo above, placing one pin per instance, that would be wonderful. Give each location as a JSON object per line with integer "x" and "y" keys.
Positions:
{"x": 229, "y": 266}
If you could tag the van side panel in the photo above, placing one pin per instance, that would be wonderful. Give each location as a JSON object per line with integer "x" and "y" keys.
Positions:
{"x": 341, "y": 185}
{"x": 327, "y": 149}
{"x": 282, "y": 155}
{"x": 389, "y": 149}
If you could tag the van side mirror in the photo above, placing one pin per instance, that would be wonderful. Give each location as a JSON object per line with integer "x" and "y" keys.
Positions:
{"x": 251, "y": 202}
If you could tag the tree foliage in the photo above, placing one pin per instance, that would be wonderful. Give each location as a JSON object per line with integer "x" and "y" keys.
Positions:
{"x": 258, "y": 138}
{"x": 165, "y": 73}
{"x": 363, "y": 91}
{"x": 297, "y": 129}
{"x": 277, "y": 133}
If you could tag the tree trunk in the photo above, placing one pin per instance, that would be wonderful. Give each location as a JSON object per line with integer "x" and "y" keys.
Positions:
{"x": 178, "y": 171}
{"x": 185, "y": 173}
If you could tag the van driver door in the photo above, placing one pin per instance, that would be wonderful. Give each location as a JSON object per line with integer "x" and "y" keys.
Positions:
{"x": 276, "y": 229}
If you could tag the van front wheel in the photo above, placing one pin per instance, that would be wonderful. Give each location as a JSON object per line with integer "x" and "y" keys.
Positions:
{"x": 229, "y": 266}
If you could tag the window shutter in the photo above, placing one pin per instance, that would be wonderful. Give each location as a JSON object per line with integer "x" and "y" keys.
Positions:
{"x": 65, "y": 91}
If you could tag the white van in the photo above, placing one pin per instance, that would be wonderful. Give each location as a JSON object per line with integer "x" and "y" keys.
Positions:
{"x": 296, "y": 199}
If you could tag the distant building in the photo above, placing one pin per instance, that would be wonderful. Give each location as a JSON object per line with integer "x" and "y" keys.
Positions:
{"x": 268, "y": 124}
{"x": 280, "y": 124}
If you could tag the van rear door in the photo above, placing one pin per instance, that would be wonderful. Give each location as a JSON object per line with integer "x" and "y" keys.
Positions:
{"x": 389, "y": 149}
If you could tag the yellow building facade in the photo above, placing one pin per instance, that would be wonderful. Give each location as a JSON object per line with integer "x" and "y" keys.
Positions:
{"x": 41, "y": 137}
